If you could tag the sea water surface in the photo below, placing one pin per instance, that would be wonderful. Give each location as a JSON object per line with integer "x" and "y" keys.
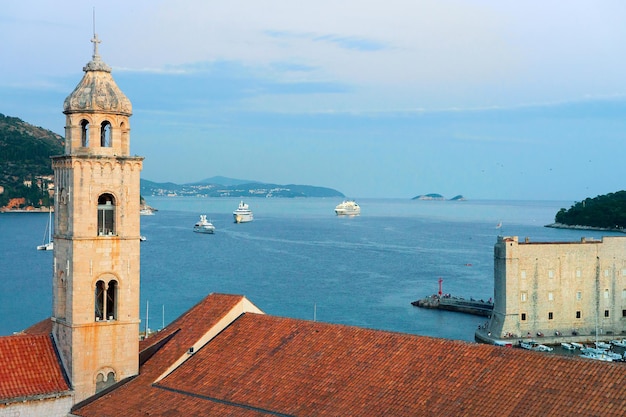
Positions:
{"x": 298, "y": 259}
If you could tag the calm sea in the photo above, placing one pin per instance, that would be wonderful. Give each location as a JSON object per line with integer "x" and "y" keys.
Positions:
{"x": 297, "y": 259}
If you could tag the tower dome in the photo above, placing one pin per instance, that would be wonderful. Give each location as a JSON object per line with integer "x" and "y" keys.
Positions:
{"x": 97, "y": 91}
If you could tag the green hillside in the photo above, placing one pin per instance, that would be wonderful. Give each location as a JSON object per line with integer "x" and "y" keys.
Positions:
{"x": 25, "y": 152}
{"x": 604, "y": 211}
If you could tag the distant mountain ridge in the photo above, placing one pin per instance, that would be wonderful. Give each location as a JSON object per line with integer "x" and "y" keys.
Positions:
{"x": 231, "y": 187}
{"x": 224, "y": 181}
{"x": 26, "y": 172}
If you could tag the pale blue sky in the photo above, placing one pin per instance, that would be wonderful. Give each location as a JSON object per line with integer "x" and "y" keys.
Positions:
{"x": 489, "y": 99}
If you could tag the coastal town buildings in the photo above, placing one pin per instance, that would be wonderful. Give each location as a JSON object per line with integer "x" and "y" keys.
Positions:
{"x": 224, "y": 356}
{"x": 559, "y": 291}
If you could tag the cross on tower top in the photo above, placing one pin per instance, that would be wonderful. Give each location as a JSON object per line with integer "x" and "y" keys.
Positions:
{"x": 95, "y": 41}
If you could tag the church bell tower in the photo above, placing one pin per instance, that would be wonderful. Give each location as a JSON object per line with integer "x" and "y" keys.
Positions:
{"x": 96, "y": 235}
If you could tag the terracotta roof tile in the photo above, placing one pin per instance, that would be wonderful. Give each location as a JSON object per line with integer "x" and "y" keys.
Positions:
{"x": 43, "y": 327}
{"x": 262, "y": 365}
{"x": 29, "y": 366}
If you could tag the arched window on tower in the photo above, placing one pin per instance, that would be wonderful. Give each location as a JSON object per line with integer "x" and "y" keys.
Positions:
{"x": 105, "y": 134}
{"x": 103, "y": 382}
{"x": 111, "y": 307}
{"x": 99, "y": 301}
{"x": 84, "y": 133}
{"x": 123, "y": 136}
{"x": 106, "y": 215}
{"x": 105, "y": 300}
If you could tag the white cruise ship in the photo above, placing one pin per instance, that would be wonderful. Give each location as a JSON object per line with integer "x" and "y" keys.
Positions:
{"x": 243, "y": 213}
{"x": 348, "y": 208}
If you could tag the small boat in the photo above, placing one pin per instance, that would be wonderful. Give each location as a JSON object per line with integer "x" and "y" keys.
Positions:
{"x": 48, "y": 244}
{"x": 146, "y": 211}
{"x": 602, "y": 345}
{"x": 597, "y": 356}
{"x": 577, "y": 345}
{"x": 347, "y": 208}
{"x": 203, "y": 225}
{"x": 620, "y": 343}
{"x": 142, "y": 238}
{"x": 568, "y": 346}
{"x": 532, "y": 345}
{"x": 589, "y": 349}
{"x": 542, "y": 348}
{"x": 243, "y": 213}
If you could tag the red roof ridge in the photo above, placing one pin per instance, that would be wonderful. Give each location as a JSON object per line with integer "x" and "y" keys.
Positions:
{"x": 243, "y": 306}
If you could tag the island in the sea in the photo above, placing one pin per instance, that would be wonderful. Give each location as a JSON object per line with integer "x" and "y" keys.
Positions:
{"x": 230, "y": 187}
{"x": 604, "y": 212}
{"x": 437, "y": 197}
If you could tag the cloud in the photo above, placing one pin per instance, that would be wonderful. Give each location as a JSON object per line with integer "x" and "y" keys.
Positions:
{"x": 344, "y": 42}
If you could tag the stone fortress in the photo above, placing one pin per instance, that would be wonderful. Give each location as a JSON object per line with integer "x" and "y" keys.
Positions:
{"x": 558, "y": 291}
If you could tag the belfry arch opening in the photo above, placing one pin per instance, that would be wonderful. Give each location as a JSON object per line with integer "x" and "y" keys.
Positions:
{"x": 105, "y": 300}
{"x": 106, "y": 215}
{"x": 105, "y": 134}
{"x": 84, "y": 133}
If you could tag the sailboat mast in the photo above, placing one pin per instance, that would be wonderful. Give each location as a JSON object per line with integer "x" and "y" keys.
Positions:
{"x": 147, "y": 308}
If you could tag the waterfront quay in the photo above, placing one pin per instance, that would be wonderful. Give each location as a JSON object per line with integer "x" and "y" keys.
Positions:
{"x": 459, "y": 304}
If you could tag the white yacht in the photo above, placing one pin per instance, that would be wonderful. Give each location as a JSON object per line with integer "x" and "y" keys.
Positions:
{"x": 243, "y": 213}
{"x": 203, "y": 225}
{"x": 348, "y": 208}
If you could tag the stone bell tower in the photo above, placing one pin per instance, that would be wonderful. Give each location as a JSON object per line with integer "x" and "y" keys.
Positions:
{"x": 96, "y": 235}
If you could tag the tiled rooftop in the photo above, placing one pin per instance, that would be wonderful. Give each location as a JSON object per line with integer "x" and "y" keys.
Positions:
{"x": 262, "y": 365}
{"x": 30, "y": 367}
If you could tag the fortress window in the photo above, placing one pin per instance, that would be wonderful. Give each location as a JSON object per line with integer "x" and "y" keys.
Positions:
{"x": 624, "y": 272}
{"x": 550, "y": 315}
{"x": 579, "y": 295}
{"x": 523, "y": 274}
{"x": 624, "y": 293}
{"x": 523, "y": 296}
{"x": 523, "y": 316}
{"x": 550, "y": 274}
{"x": 550, "y": 296}
{"x": 606, "y": 313}
{"x": 578, "y": 315}
{"x": 105, "y": 134}
{"x": 106, "y": 215}
{"x": 84, "y": 133}
{"x": 579, "y": 273}
{"x": 606, "y": 272}
{"x": 623, "y": 313}
{"x": 606, "y": 293}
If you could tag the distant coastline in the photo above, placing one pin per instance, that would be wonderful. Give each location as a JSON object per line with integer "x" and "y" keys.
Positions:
{"x": 581, "y": 227}
{"x": 27, "y": 210}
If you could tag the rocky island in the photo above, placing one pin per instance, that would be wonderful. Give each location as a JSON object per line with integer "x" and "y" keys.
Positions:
{"x": 437, "y": 197}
